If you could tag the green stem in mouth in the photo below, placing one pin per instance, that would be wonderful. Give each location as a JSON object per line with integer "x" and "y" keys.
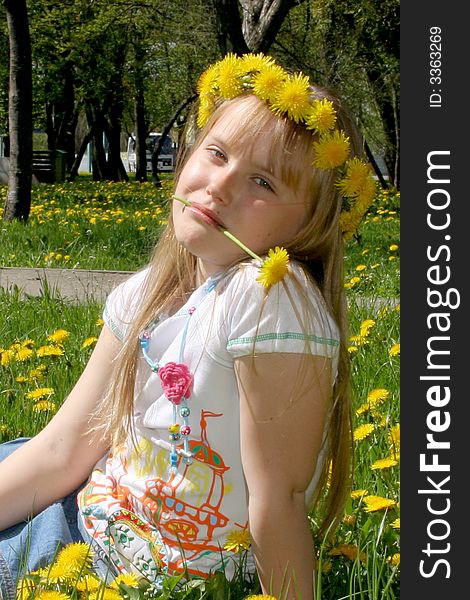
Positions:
{"x": 183, "y": 200}
{"x": 225, "y": 232}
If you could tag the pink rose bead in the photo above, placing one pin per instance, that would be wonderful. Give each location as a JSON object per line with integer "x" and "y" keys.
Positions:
{"x": 176, "y": 381}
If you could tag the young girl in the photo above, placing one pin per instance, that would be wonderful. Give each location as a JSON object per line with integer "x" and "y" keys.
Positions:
{"x": 214, "y": 411}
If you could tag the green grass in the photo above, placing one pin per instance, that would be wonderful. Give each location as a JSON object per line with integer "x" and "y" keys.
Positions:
{"x": 114, "y": 226}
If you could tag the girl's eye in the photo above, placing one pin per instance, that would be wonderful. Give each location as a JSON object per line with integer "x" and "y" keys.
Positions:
{"x": 263, "y": 183}
{"x": 216, "y": 153}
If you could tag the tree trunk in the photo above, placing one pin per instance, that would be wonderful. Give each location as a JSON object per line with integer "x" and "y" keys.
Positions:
{"x": 18, "y": 202}
{"x": 262, "y": 20}
{"x": 251, "y": 29}
{"x": 95, "y": 121}
{"x": 78, "y": 159}
{"x": 229, "y": 27}
{"x": 139, "y": 110}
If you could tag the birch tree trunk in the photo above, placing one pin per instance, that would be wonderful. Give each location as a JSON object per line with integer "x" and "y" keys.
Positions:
{"x": 18, "y": 201}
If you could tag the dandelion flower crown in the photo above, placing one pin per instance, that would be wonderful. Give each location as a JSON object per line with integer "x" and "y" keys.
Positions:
{"x": 290, "y": 95}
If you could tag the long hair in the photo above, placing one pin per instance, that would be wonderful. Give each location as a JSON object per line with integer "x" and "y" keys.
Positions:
{"x": 318, "y": 247}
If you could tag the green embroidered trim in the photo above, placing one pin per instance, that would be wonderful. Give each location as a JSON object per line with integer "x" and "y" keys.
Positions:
{"x": 114, "y": 328}
{"x": 288, "y": 335}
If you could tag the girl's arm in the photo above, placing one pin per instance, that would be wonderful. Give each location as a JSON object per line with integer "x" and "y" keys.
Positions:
{"x": 283, "y": 402}
{"x": 61, "y": 457}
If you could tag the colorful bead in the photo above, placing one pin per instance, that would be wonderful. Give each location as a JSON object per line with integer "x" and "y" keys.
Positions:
{"x": 185, "y": 430}
{"x": 185, "y": 412}
{"x": 174, "y": 428}
{"x": 173, "y": 459}
{"x": 174, "y": 437}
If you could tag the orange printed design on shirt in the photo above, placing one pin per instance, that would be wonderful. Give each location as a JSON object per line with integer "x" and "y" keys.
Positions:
{"x": 171, "y": 521}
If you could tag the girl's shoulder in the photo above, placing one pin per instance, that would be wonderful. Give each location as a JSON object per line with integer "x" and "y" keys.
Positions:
{"x": 244, "y": 278}
{"x": 291, "y": 316}
{"x": 123, "y": 301}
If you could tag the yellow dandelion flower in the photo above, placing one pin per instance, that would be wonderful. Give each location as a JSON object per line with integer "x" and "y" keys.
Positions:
{"x": 349, "y": 550}
{"x": 274, "y": 267}
{"x": 37, "y": 374}
{"x": 384, "y": 463}
{"x": 394, "y": 441}
{"x": 6, "y": 356}
{"x": 50, "y": 351}
{"x": 377, "y": 396}
{"x": 322, "y": 116}
{"x": 99, "y": 323}
{"x": 51, "y": 595}
{"x": 393, "y": 248}
{"x": 355, "y": 178}
{"x": 366, "y": 325}
{"x": 44, "y": 406}
{"x": 268, "y": 82}
{"x": 331, "y": 150}
{"x": 355, "y": 280}
{"x": 206, "y": 108}
{"x": 76, "y": 556}
{"x": 89, "y": 583}
{"x": 260, "y": 597}
{"x": 207, "y": 83}
{"x": 358, "y": 494}
{"x": 24, "y": 354}
{"x": 363, "y": 408}
{"x": 255, "y": 62}
{"x": 394, "y": 559}
{"x": 89, "y": 342}
{"x": 361, "y": 267}
{"x": 40, "y": 393}
{"x": 396, "y": 523}
{"x": 352, "y": 349}
{"x": 293, "y": 98}
{"x": 366, "y": 195}
{"x": 359, "y": 340}
{"x": 27, "y": 343}
{"x": 106, "y": 594}
{"x": 230, "y": 83}
{"x": 363, "y": 431}
{"x": 238, "y": 540}
{"x": 129, "y": 579}
{"x": 21, "y": 379}
{"x": 374, "y": 503}
{"x": 394, "y": 350}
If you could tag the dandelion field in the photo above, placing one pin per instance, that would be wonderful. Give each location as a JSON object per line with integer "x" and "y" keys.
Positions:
{"x": 46, "y": 341}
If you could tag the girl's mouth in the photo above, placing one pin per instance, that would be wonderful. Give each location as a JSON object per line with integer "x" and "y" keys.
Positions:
{"x": 205, "y": 214}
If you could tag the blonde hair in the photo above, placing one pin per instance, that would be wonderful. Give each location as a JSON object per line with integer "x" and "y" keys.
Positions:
{"x": 318, "y": 247}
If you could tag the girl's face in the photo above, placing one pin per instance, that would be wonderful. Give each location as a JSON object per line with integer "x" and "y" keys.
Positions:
{"x": 231, "y": 186}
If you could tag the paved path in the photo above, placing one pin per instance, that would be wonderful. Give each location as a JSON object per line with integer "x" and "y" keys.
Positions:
{"x": 80, "y": 285}
{"x": 76, "y": 285}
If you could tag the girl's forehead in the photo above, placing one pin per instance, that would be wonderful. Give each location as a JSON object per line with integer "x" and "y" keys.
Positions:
{"x": 254, "y": 136}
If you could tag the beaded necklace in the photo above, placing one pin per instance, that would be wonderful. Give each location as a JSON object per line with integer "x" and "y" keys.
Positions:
{"x": 177, "y": 383}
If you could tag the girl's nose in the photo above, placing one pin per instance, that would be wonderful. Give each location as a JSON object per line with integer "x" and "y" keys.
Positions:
{"x": 221, "y": 186}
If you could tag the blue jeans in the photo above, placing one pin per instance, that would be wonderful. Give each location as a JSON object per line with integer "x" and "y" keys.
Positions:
{"x": 32, "y": 544}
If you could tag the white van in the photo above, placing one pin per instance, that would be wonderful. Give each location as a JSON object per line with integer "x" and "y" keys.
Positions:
{"x": 166, "y": 159}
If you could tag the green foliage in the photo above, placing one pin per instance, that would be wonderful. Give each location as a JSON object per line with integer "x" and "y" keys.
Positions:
{"x": 352, "y": 47}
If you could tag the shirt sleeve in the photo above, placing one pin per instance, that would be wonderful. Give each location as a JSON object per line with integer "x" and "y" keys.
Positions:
{"x": 122, "y": 302}
{"x": 292, "y": 317}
